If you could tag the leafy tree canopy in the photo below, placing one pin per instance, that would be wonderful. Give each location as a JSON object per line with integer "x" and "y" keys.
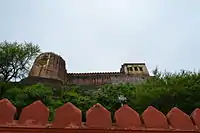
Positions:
{"x": 15, "y": 59}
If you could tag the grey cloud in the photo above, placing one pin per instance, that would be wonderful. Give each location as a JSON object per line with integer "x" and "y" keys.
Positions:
{"x": 99, "y": 35}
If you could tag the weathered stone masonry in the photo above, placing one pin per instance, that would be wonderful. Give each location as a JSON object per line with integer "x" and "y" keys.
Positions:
{"x": 51, "y": 67}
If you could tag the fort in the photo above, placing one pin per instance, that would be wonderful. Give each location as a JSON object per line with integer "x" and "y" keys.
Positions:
{"x": 50, "y": 68}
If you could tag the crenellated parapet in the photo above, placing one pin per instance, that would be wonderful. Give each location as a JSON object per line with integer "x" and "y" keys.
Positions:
{"x": 95, "y": 78}
{"x": 103, "y": 78}
{"x": 94, "y": 74}
{"x": 68, "y": 118}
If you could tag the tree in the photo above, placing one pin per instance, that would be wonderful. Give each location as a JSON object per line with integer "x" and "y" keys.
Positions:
{"x": 15, "y": 59}
{"x": 23, "y": 96}
{"x": 113, "y": 96}
{"x": 163, "y": 91}
{"x": 26, "y": 95}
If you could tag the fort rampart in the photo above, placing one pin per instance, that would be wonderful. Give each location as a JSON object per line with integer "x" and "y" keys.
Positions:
{"x": 52, "y": 66}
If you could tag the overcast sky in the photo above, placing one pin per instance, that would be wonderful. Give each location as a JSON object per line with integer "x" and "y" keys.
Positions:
{"x": 100, "y": 35}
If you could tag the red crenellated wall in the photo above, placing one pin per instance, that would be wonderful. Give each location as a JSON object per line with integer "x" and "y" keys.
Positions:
{"x": 68, "y": 118}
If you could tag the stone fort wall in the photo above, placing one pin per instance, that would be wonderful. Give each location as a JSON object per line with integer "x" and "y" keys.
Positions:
{"x": 103, "y": 78}
{"x": 53, "y": 67}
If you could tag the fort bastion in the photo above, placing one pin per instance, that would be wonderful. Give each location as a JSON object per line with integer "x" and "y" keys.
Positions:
{"x": 50, "y": 68}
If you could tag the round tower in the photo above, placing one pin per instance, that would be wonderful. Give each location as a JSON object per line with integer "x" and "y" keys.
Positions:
{"x": 49, "y": 65}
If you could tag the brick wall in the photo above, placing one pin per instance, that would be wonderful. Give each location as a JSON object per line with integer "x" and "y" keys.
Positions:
{"x": 68, "y": 118}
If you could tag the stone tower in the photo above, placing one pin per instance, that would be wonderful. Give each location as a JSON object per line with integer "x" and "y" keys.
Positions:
{"x": 49, "y": 65}
{"x": 138, "y": 69}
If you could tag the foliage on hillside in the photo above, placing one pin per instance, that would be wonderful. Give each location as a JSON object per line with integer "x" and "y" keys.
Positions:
{"x": 163, "y": 91}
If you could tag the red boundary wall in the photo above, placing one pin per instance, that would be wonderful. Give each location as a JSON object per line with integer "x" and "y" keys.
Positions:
{"x": 68, "y": 118}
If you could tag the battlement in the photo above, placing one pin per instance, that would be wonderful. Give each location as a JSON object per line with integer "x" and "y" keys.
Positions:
{"x": 68, "y": 118}
{"x": 93, "y": 73}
